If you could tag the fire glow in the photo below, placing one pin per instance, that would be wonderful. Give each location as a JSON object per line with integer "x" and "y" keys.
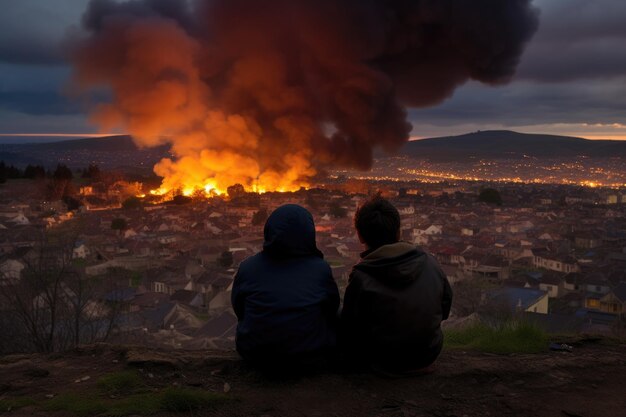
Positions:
{"x": 270, "y": 93}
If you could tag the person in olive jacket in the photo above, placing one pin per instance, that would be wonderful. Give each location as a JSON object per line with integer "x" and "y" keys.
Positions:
{"x": 285, "y": 297}
{"x": 396, "y": 298}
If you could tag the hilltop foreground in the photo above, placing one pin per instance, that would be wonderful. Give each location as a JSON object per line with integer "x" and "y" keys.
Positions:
{"x": 109, "y": 380}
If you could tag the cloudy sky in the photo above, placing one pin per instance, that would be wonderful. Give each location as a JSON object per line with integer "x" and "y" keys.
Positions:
{"x": 572, "y": 78}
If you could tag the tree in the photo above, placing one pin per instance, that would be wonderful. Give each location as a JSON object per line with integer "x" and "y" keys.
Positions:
{"x": 92, "y": 171}
{"x": 52, "y": 305}
{"x": 181, "y": 200}
{"x": 34, "y": 172}
{"x": 119, "y": 224}
{"x": 259, "y": 217}
{"x": 132, "y": 203}
{"x": 467, "y": 297}
{"x": 62, "y": 172}
{"x": 72, "y": 203}
{"x": 235, "y": 191}
{"x": 61, "y": 183}
{"x": 490, "y": 196}
{"x": 225, "y": 259}
{"x": 9, "y": 172}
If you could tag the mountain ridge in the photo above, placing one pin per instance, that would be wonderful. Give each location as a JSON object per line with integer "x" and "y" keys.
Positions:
{"x": 488, "y": 144}
{"x": 507, "y": 144}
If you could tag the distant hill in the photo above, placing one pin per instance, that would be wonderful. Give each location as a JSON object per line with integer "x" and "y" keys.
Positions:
{"x": 121, "y": 151}
{"x": 505, "y": 144}
{"x": 121, "y": 143}
{"x": 108, "y": 152}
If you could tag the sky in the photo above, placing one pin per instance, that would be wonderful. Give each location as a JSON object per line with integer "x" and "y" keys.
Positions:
{"x": 571, "y": 79}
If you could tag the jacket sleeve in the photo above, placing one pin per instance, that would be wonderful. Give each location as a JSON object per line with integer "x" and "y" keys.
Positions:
{"x": 446, "y": 298}
{"x": 238, "y": 296}
{"x": 446, "y": 301}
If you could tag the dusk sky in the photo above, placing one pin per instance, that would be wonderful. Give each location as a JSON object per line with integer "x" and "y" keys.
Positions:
{"x": 571, "y": 80}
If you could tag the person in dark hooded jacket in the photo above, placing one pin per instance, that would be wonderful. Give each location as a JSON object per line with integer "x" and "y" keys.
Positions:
{"x": 396, "y": 298}
{"x": 285, "y": 297}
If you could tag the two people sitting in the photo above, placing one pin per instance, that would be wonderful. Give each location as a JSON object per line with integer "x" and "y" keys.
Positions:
{"x": 287, "y": 302}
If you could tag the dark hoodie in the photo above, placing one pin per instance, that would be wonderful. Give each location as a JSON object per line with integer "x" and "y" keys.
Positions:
{"x": 285, "y": 297}
{"x": 393, "y": 307}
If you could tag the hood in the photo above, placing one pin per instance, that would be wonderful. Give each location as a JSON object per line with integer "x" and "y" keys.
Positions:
{"x": 290, "y": 232}
{"x": 397, "y": 264}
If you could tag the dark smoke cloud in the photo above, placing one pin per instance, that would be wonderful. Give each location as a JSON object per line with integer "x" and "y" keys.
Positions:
{"x": 322, "y": 82}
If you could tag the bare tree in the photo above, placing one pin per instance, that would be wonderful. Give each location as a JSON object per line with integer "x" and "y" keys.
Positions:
{"x": 53, "y": 304}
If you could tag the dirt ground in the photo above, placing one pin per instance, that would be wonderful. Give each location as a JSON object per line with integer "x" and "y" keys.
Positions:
{"x": 588, "y": 382}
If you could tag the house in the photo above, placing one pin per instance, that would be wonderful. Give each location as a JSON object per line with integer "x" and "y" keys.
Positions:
{"x": 168, "y": 281}
{"x": 521, "y": 226}
{"x": 217, "y": 333}
{"x": 434, "y": 229}
{"x": 615, "y": 301}
{"x": 81, "y": 251}
{"x": 550, "y": 284}
{"x": 167, "y": 239}
{"x": 469, "y": 231}
{"x": 210, "y": 284}
{"x": 148, "y": 299}
{"x": 521, "y": 299}
{"x": 20, "y": 219}
{"x": 486, "y": 266}
{"x": 554, "y": 262}
{"x": 596, "y": 283}
{"x": 572, "y": 282}
{"x": 350, "y": 250}
{"x": 513, "y": 251}
{"x": 189, "y": 298}
{"x": 588, "y": 240}
{"x": 221, "y": 301}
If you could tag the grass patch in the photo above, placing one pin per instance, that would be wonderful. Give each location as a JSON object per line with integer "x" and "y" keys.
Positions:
{"x": 141, "y": 404}
{"x": 175, "y": 400}
{"x": 12, "y": 404}
{"x": 186, "y": 399}
{"x": 124, "y": 382}
{"x": 76, "y": 404}
{"x": 508, "y": 337}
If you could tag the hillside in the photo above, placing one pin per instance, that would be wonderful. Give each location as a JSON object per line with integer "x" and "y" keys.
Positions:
{"x": 108, "y": 380}
{"x": 119, "y": 143}
{"x": 504, "y": 144}
{"x": 108, "y": 152}
{"x": 121, "y": 151}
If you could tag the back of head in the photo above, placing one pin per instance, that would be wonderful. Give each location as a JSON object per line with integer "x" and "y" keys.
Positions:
{"x": 290, "y": 232}
{"x": 378, "y": 222}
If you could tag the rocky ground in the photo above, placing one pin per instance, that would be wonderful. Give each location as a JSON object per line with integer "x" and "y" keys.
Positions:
{"x": 590, "y": 381}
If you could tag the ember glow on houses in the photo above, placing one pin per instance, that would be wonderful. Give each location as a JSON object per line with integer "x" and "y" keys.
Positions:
{"x": 269, "y": 94}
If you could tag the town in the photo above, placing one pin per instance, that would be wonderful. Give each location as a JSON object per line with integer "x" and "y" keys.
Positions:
{"x": 110, "y": 263}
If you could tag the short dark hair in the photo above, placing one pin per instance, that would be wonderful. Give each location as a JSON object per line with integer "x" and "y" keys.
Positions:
{"x": 378, "y": 222}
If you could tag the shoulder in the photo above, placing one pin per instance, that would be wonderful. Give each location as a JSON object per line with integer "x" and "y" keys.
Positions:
{"x": 357, "y": 276}
{"x": 318, "y": 264}
{"x": 250, "y": 262}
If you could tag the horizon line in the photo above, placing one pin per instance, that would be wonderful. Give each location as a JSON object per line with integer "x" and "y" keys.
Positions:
{"x": 411, "y": 138}
{"x": 59, "y": 135}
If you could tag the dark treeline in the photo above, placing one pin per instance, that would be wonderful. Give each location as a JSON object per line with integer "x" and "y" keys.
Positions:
{"x": 61, "y": 172}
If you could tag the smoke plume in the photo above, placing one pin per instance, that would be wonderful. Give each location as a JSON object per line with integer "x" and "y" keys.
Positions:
{"x": 267, "y": 92}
